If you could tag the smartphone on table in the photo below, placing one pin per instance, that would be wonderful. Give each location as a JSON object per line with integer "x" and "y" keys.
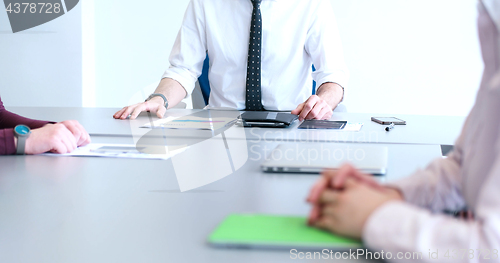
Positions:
{"x": 388, "y": 120}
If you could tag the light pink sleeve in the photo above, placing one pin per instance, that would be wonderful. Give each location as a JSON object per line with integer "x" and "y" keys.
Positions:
{"x": 439, "y": 186}
{"x": 401, "y": 227}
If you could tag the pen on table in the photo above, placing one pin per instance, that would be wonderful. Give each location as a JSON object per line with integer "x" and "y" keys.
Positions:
{"x": 390, "y": 127}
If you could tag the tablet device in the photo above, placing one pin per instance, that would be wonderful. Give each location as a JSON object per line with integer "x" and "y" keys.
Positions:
{"x": 275, "y": 232}
{"x": 267, "y": 119}
{"x": 321, "y": 124}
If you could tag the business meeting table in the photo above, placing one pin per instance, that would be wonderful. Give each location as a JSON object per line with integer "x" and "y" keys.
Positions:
{"x": 75, "y": 209}
{"x": 420, "y": 129}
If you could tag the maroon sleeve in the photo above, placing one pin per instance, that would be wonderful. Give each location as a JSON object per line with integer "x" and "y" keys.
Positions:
{"x": 8, "y": 121}
{"x": 7, "y": 145}
{"x": 11, "y": 120}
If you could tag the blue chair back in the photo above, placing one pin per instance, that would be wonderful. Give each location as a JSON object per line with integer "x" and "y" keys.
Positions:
{"x": 205, "y": 84}
{"x": 314, "y": 83}
{"x": 203, "y": 80}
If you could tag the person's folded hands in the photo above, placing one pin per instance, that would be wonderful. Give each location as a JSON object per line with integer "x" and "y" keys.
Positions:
{"x": 335, "y": 179}
{"x": 345, "y": 212}
{"x": 336, "y": 184}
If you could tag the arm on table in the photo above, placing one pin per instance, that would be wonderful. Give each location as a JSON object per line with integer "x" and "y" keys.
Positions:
{"x": 331, "y": 93}
{"x": 45, "y": 136}
{"x": 324, "y": 46}
{"x": 63, "y": 137}
{"x": 398, "y": 226}
{"x": 8, "y": 121}
{"x": 439, "y": 186}
{"x": 11, "y": 120}
{"x": 170, "y": 88}
{"x": 186, "y": 60}
{"x": 321, "y": 105}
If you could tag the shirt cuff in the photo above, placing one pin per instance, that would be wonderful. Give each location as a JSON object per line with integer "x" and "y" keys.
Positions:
{"x": 339, "y": 77}
{"x": 343, "y": 90}
{"x": 388, "y": 227}
{"x": 185, "y": 79}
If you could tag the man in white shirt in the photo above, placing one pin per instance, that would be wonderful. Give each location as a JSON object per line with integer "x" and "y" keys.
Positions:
{"x": 406, "y": 216}
{"x": 261, "y": 55}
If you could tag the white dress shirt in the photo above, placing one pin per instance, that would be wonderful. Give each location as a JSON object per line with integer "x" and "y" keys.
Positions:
{"x": 469, "y": 177}
{"x": 296, "y": 34}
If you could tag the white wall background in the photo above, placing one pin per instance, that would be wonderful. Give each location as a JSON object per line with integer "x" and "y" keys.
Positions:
{"x": 411, "y": 56}
{"x": 405, "y": 56}
{"x": 42, "y": 66}
{"x": 132, "y": 46}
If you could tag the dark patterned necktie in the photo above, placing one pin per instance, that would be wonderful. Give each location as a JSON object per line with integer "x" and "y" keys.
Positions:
{"x": 253, "y": 99}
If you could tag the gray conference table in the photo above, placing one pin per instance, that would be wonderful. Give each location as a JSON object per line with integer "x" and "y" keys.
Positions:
{"x": 66, "y": 209}
{"x": 420, "y": 129}
{"x": 63, "y": 209}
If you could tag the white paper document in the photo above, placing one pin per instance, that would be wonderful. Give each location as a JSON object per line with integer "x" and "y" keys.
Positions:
{"x": 191, "y": 123}
{"x": 123, "y": 151}
{"x": 353, "y": 127}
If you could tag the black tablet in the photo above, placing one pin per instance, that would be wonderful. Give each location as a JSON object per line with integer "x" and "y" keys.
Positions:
{"x": 319, "y": 124}
{"x": 266, "y": 119}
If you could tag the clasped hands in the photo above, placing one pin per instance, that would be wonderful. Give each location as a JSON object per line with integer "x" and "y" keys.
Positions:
{"x": 343, "y": 200}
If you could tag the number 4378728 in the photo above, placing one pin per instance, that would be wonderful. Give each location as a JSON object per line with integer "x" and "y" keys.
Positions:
{"x": 46, "y": 8}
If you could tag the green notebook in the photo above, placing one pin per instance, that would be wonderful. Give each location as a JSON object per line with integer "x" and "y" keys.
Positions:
{"x": 265, "y": 231}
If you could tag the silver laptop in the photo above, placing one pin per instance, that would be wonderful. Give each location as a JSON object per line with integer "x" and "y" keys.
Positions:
{"x": 315, "y": 157}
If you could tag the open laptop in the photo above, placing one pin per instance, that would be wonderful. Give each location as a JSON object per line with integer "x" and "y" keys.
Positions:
{"x": 315, "y": 157}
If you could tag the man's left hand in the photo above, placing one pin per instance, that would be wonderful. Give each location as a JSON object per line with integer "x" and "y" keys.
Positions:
{"x": 314, "y": 108}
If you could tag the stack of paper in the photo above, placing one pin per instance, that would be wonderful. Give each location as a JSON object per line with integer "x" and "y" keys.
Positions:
{"x": 353, "y": 127}
{"x": 159, "y": 152}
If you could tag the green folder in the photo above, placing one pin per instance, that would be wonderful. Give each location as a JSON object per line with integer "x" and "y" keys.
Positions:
{"x": 266, "y": 231}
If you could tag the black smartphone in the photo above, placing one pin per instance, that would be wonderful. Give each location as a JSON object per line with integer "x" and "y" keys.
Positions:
{"x": 388, "y": 120}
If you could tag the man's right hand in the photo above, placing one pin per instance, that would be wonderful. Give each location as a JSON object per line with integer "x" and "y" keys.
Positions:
{"x": 155, "y": 105}
{"x": 54, "y": 138}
